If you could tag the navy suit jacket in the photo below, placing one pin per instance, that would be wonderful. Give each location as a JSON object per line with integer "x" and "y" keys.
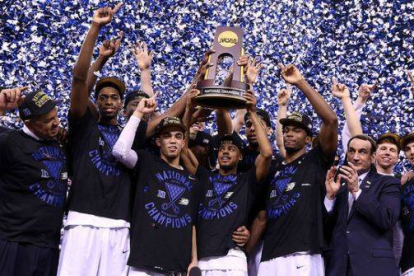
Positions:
{"x": 365, "y": 236}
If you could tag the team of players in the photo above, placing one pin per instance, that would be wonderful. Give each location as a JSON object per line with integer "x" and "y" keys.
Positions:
{"x": 144, "y": 200}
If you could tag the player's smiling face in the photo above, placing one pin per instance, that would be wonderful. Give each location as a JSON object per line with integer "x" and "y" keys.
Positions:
{"x": 228, "y": 156}
{"x": 45, "y": 126}
{"x": 386, "y": 155}
{"x": 109, "y": 102}
{"x": 171, "y": 142}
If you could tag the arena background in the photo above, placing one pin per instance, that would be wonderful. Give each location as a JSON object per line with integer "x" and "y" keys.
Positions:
{"x": 355, "y": 41}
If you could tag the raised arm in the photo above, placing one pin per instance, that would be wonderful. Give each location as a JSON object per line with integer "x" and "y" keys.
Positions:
{"x": 122, "y": 149}
{"x": 106, "y": 51}
{"x": 283, "y": 97}
{"x": 341, "y": 92}
{"x": 80, "y": 93}
{"x": 188, "y": 159}
{"x": 329, "y": 128}
{"x": 251, "y": 71}
{"x": 11, "y": 98}
{"x": 264, "y": 158}
{"x": 353, "y": 127}
{"x": 144, "y": 60}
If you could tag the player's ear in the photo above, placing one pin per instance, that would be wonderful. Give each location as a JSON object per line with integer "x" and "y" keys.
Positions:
{"x": 158, "y": 142}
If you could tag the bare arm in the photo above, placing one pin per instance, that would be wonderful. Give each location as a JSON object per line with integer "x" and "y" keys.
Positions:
{"x": 329, "y": 128}
{"x": 80, "y": 93}
{"x": 144, "y": 60}
{"x": 194, "y": 258}
{"x": 176, "y": 110}
{"x": 342, "y": 92}
{"x": 251, "y": 71}
{"x": 257, "y": 229}
{"x": 188, "y": 159}
{"x": 264, "y": 158}
{"x": 224, "y": 125}
{"x": 283, "y": 100}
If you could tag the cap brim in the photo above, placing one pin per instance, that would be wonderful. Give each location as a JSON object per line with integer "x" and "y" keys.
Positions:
{"x": 110, "y": 81}
{"x": 290, "y": 122}
{"x": 182, "y": 127}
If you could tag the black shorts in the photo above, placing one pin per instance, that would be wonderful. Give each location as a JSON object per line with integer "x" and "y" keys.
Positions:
{"x": 23, "y": 259}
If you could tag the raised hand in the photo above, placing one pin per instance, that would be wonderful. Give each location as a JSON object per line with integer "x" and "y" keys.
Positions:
{"x": 191, "y": 103}
{"x": 142, "y": 55}
{"x": 252, "y": 70}
{"x": 105, "y": 15}
{"x": 339, "y": 90}
{"x": 251, "y": 101}
{"x": 290, "y": 73}
{"x": 283, "y": 96}
{"x": 365, "y": 91}
{"x": 109, "y": 47}
{"x": 12, "y": 98}
{"x": 350, "y": 175}
{"x": 332, "y": 186}
{"x": 146, "y": 106}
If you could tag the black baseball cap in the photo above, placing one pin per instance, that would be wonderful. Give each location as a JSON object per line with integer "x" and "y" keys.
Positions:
{"x": 300, "y": 120}
{"x": 35, "y": 104}
{"x": 110, "y": 82}
{"x": 201, "y": 139}
{"x": 234, "y": 139}
{"x": 134, "y": 95}
{"x": 170, "y": 121}
{"x": 392, "y": 137}
{"x": 262, "y": 114}
{"x": 407, "y": 139}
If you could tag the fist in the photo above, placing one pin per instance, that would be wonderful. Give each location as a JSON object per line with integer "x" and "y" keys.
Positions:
{"x": 290, "y": 73}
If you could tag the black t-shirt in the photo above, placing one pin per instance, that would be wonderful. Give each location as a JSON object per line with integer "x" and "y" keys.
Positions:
{"x": 249, "y": 159}
{"x": 225, "y": 207}
{"x": 3, "y": 129}
{"x": 100, "y": 184}
{"x": 407, "y": 221}
{"x": 33, "y": 182}
{"x": 165, "y": 211}
{"x": 294, "y": 206}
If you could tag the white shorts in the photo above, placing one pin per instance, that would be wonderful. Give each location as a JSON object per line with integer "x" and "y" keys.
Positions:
{"x": 297, "y": 264}
{"x": 232, "y": 272}
{"x": 90, "y": 251}
{"x": 409, "y": 272}
{"x": 233, "y": 264}
{"x": 254, "y": 259}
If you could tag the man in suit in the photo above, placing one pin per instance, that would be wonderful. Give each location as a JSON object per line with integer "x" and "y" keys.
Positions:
{"x": 362, "y": 207}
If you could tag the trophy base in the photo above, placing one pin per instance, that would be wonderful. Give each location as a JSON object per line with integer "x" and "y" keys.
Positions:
{"x": 216, "y": 96}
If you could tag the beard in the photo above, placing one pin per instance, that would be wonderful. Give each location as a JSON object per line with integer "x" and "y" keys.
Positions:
{"x": 292, "y": 150}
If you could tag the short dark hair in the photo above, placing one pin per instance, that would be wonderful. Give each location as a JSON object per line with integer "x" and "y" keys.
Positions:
{"x": 365, "y": 138}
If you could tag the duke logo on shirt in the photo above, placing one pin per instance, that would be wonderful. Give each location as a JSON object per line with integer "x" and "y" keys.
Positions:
{"x": 102, "y": 158}
{"x": 281, "y": 199}
{"x": 218, "y": 205}
{"x": 169, "y": 208}
{"x": 52, "y": 191}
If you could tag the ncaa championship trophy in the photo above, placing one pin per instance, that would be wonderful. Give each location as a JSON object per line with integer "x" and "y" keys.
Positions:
{"x": 227, "y": 42}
